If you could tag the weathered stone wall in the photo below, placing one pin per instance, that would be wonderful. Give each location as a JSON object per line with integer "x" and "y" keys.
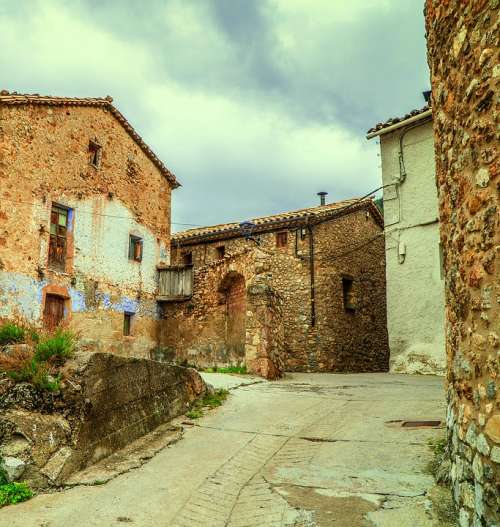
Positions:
{"x": 463, "y": 52}
{"x": 106, "y": 403}
{"x": 44, "y": 159}
{"x": 233, "y": 318}
{"x": 329, "y": 338}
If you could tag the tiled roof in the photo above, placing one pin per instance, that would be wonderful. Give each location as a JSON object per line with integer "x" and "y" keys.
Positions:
{"x": 14, "y": 98}
{"x": 395, "y": 120}
{"x": 278, "y": 221}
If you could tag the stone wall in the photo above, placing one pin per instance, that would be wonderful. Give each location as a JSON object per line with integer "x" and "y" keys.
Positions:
{"x": 463, "y": 53}
{"x": 44, "y": 159}
{"x": 234, "y": 317}
{"x": 319, "y": 334}
{"x": 106, "y": 403}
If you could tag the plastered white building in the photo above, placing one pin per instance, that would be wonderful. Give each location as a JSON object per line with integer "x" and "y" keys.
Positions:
{"x": 415, "y": 282}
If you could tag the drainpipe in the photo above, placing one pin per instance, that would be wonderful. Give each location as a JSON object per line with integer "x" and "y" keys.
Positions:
{"x": 311, "y": 272}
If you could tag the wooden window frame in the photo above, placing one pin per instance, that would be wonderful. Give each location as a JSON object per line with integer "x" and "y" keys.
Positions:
{"x": 282, "y": 239}
{"x": 135, "y": 248}
{"x": 58, "y": 237}
{"x": 187, "y": 258}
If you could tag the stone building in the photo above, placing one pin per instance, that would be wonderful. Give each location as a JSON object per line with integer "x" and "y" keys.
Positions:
{"x": 463, "y": 55}
{"x": 415, "y": 281}
{"x": 84, "y": 221}
{"x": 299, "y": 291}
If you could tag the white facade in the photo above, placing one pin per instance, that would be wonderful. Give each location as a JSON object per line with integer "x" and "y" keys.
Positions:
{"x": 415, "y": 283}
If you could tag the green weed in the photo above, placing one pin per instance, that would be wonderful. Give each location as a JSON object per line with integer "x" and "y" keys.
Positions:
{"x": 11, "y": 493}
{"x": 211, "y": 400}
{"x": 11, "y": 334}
{"x": 58, "y": 346}
{"x": 194, "y": 414}
{"x": 229, "y": 369}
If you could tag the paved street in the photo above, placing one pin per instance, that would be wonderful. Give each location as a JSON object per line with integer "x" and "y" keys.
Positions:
{"x": 309, "y": 450}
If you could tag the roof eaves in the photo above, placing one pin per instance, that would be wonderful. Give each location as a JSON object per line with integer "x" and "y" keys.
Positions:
{"x": 272, "y": 224}
{"x": 106, "y": 103}
{"x": 395, "y": 123}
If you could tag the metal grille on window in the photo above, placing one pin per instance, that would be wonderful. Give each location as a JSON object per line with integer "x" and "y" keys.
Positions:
{"x": 58, "y": 237}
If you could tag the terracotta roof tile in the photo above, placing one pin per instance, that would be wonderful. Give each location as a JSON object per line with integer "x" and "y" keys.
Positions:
{"x": 277, "y": 221}
{"x": 395, "y": 120}
{"x": 14, "y": 98}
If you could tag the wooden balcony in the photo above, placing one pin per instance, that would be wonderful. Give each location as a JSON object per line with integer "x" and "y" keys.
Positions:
{"x": 175, "y": 283}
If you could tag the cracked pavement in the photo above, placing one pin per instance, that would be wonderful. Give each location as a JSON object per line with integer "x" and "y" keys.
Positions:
{"x": 309, "y": 450}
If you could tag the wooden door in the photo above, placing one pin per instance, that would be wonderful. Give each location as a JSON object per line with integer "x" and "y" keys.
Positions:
{"x": 54, "y": 311}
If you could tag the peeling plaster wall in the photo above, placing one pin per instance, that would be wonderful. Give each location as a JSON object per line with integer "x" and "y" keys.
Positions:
{"x": 415, "y": 285}
{"x": 44, "y": 160}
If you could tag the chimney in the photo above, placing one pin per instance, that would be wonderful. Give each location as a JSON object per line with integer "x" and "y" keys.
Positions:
{"x": 322, "y": 196}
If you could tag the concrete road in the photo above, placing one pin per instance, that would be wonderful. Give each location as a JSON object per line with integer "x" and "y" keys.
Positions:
{"x": 309, "y": 450}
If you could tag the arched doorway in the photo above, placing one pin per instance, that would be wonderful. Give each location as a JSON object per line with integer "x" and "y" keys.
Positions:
{"x": 234, "y": 290}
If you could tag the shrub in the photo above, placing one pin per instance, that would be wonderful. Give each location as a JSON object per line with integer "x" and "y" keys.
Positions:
{"x": 58, "y": 346}
{"x": 11, "y": 334}
{"x": 11, "y": 493}
{"x": 16, "y": 361}
{"x": 40, "y": 367}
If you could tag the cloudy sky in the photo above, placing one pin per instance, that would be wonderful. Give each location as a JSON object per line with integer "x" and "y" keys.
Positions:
{"x": 255, "y": 105}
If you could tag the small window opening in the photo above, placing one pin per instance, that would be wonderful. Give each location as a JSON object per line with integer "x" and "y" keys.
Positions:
{"x": 187, "y": 258}
{"x": 281, "y": 239}
{"x": 135, "y": 248}
{"x": 347, "y": 290}
{"x": 303, "y": 233}
{"x": 221, "y": 251}
{"x": 95, "y": 153}
{"x": 58, "y": 237}
{"x": 127, "y": 324}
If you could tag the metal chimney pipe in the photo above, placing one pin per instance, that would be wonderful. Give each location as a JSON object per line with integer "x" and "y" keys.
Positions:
{"x": 322, "y": 197}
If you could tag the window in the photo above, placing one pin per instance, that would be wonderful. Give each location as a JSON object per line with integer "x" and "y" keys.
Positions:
{"x": 135, "y": 248}
{"x": 187, "y": 258}
{"x": 281, "y": 239}
{"x": 221, "y": 251}
{"x": 347, "y": 291}
{"x": 127, "y": 323}
{"x": 95, "y": 153}
{"x": 53, "y": 313}
{"x": 58, "y": 237}
{"x": 303, "y": 233}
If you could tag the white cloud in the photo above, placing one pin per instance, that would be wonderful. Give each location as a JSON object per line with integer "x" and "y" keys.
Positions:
{"x": 237, "y": 156}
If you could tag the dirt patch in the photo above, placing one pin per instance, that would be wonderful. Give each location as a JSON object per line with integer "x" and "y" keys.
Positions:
{"x": 347, "y": 511}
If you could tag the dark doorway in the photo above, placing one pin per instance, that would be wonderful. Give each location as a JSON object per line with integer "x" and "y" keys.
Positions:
{"x": 234, "y": 289}
{"x": 53, "y": 313}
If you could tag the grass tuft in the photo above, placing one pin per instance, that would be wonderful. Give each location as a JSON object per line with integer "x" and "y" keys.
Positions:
{"x": 11, "y": 334}
{"x": 211, "y": 400}
{"x": 39, "y": 362}
{"x": 59, "y": 346}
{"x": 11, "y": 493}
{"x": 229, "y": 369}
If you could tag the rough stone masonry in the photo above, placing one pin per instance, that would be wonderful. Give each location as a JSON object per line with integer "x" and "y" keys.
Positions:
{"x": 84, "y": 220}
{"x": 304, "y": 292}
{"x": 463, "y": 54}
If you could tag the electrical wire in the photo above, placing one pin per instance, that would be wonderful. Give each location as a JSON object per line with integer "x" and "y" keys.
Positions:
{"x": 92, "y": 213}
